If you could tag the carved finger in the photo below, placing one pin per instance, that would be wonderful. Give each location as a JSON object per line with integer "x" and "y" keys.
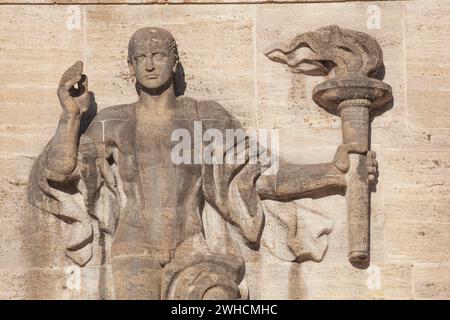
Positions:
{"x": 83, "y": 83}
{"x": 371, "y": 162}
{"x": 82, "y": 89}
{"x": 371, "y": 154}
{"x": 72, "y": 75}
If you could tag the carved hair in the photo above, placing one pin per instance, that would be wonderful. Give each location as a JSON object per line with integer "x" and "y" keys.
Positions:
{"x": 157, "y": 34}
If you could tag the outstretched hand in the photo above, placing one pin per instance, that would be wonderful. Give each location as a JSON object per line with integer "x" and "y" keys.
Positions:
{"x": 73, "y": 90}
{"x": 342, "y": 160}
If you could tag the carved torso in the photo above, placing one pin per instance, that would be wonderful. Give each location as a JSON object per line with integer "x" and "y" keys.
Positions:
{"x": 162, "y": 199}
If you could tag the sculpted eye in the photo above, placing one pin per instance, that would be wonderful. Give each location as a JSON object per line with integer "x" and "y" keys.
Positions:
{"x": 159, "y": 56}
{"x": 139, "y": 58}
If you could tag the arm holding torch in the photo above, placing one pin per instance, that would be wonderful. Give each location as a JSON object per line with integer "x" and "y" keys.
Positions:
{"x": 355, "y": 94}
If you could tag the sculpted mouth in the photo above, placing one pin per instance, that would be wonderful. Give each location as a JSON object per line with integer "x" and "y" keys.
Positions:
{"x": 152, "y": 76}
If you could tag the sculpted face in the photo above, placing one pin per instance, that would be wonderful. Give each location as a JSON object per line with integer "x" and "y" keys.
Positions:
{"x": 151, "y": 58}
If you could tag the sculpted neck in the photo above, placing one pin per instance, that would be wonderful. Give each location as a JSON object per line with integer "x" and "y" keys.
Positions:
{"x": 161, "y": 100}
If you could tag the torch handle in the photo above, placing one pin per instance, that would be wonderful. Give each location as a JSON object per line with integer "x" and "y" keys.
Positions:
{"x": 355, "y": 130}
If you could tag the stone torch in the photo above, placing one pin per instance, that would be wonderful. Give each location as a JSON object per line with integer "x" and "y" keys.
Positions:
{"x": 353, "y": 61}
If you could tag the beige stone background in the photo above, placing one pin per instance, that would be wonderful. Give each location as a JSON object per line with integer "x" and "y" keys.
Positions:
{"x": 221, "y": 45}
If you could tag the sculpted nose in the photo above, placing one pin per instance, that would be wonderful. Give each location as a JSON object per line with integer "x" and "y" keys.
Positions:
{"x": 149, "y": 66}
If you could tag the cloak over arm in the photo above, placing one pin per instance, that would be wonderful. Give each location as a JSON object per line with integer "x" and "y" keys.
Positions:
{"x": 237, "y": 190}
{"x": 69, "y": 199}
{"x": 229, "y": 186}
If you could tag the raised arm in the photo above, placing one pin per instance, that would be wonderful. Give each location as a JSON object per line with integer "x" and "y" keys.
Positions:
{"x": 63, "y": 149}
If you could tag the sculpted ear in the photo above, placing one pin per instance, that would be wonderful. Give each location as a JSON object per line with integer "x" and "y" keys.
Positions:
{"x": 131, "y": 66}
{"x": 174, "y": 67}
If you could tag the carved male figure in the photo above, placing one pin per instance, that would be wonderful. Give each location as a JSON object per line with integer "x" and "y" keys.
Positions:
{"x": 129, "y": 204}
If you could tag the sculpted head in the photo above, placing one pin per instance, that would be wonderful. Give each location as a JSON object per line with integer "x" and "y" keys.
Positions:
{"x": 153, "y": 58}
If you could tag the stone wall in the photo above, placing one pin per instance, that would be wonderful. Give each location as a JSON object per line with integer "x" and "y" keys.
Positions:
{"x": 221, "y": 45}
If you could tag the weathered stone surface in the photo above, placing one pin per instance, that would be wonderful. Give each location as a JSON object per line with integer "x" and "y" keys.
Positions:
{"x": 394, "y": 282}
{"x": 431, "y": 281}
{"x": 70, "y": 282}
{"x": 32, "y": 283}
{"x": 427, "y": 63}
{"x": 221, "y": 47}
{"x": 417, "y": 228}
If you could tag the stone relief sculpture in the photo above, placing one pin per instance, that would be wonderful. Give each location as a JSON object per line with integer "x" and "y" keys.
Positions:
{"x": 111, "y": 177}
{"x": 355, "y": 94}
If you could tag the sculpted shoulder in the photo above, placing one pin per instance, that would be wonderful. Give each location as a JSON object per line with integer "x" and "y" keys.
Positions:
{"x": 212, "y": 114}
{"x": 112, "y": 123}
